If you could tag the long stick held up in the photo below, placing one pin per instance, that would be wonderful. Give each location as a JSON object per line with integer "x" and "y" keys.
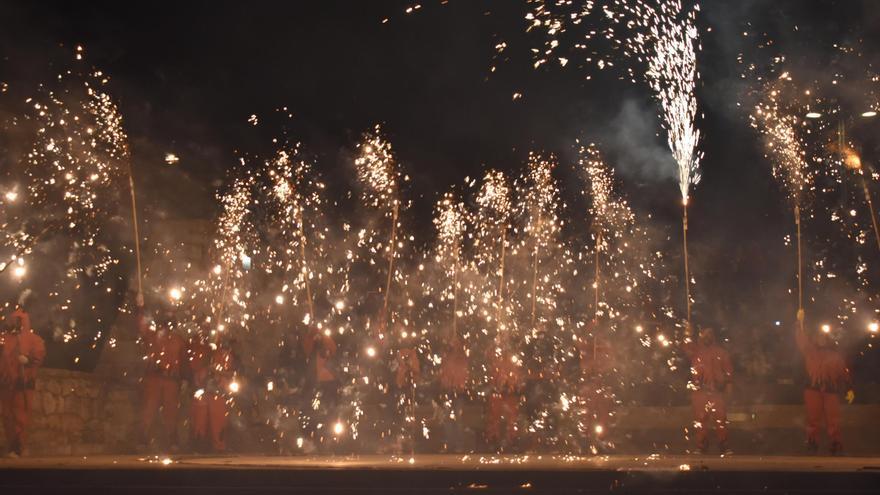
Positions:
{"x": 871, "y": 208}
{"x": 800, "y": 267}
{"x": 797, "y": 222}
{"x": 391, "y": 252}
{"x": 687, "y": 273}
{"x": 501, "y": 272}
{"x": 137, "y": 236}
{"x": 305, "y": 265}
{"x": 596, "y": 281}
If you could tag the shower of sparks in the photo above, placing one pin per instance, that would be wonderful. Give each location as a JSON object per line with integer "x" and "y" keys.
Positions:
{"x": 662, "y": 36}
{"x": 781, "y": 124}
{"x": 76, "y": 167}
{"x": 668, "y": 41}
{"x": 376, "y": 169}
{"x": 505, "y": 270}
{"x": 804, "y": 116}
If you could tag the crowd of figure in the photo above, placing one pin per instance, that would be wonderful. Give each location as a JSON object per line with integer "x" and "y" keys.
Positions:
{"x": 204, "y": 365}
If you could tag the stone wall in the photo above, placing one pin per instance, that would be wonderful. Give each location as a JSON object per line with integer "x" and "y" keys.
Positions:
{"x": 76, "y": 413}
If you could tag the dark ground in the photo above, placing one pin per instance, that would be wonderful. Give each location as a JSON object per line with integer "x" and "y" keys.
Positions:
{"x": 442, "y": 474}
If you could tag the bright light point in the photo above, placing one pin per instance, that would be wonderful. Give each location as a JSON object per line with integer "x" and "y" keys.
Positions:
{"x": 661, "y": 338}
{"x": 639, "y": 329}
{"x": 869, "y": 114}
{"x": 340, "y": 305}
{"x": 19, "y": 271}
{"x": 338, "y": 428}
{"x": 199, "y": 393}
{"x": 514, "y": 359}
{"x": 852, "y": 160}
{"x": 233, "y": 387}
{"x": 814, "y": 115}
{"x": 371, "y": 351}
{"x": 217, "y": 270}
{"x": 826, "y": 328}
{"x": 11, "y": 196}
{"x": 279, "y": 299}
{"x": 873, "y": 327}
{"x": 166, "y": 461}
{"x": 175, "y": 294}
{"x": 599, "y": 429}
{"x": 299, "y": 442}
{"x": 270, "y": 386}
{"x": 777, "y": 323}
{"x": 171, "y": 158}
{"x": 412, "y": 460}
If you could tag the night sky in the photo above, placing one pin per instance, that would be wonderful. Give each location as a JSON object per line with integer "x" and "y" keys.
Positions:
{"x": 187, "y": 76}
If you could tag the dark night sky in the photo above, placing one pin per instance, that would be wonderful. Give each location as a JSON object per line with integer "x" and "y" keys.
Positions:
{"x": 188, "y": 74}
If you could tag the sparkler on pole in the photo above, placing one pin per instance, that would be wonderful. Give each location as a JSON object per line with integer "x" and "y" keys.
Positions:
{"x": 493, "y": 218}
{"x": 669, "y": 43}
{"x": 542, "y": 227}
{"x": 450, "y": 223}
{"x": 776, "y": 117}
{"x": 378, "y": 174}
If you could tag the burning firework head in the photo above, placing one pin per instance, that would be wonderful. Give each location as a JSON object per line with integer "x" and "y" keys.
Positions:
{"x": 77, "y": 165}
{"x": 450, "y": 221}
{"x": 777, "y": 118}
{"x": 610, "y": 213}
{"x": 377, "y": 169}
{"x": 544, "y": 258}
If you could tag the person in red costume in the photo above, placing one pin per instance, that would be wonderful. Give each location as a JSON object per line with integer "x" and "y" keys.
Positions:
{"x": 595, "y": 394}
{"x": 319, "y": 349}
{"x": 506, "y": 384}
{"x": 164, "y": 356}
{"x": 21, "y": 353}
{"x": 711, "y": 384}
{"x": 828, "y": 378}
{"x": 321, "y": 383}
{"x": 406, "y": 372}
{"x": 454, "y": 375}
{"x": 213, "y": 374}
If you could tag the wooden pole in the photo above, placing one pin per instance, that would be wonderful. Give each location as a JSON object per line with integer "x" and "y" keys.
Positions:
{"x": 687, "y": 274}
{"x": 534, "y": 284}
{"x": 596, "y": 304}
{"x": 305, "y": 265}
{"x": 797, "y": 222}
{"x": 392, "y": 247}
{"x": 501, "y": 271}
{"x": 871, "y": 208}
{"x": 137, "y": 236}
{"x": 455, "y": 289}
{"x": 596, "y": 283}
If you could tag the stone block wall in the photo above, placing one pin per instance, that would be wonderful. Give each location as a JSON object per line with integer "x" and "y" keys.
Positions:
{"x": 76, "y": 413}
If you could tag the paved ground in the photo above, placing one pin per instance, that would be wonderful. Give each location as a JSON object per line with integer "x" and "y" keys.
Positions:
{"x": 440, "y": 474}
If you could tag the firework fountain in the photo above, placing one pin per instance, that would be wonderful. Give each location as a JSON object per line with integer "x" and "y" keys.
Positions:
{"x": 669, "y": 41}
{"x": 779, "y": 122}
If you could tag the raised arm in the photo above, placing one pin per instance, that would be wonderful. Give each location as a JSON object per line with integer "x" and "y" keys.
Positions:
{"x": 140, "y": 319}
{"x": 800, "y": 335}
{"x": 689, "y": 345}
